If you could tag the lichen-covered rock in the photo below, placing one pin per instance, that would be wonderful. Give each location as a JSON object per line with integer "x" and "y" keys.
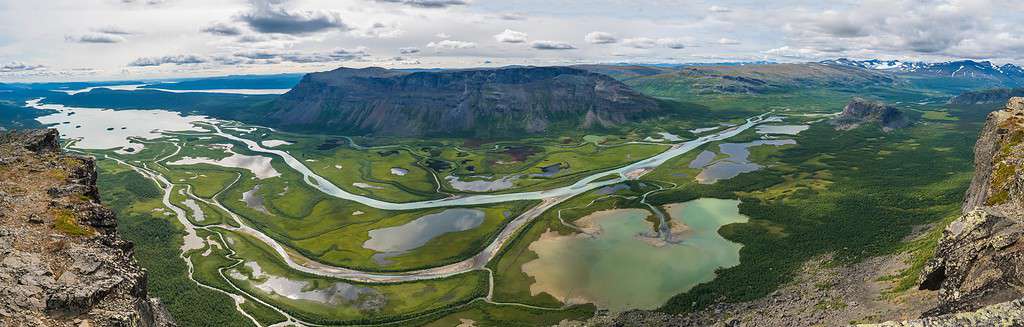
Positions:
{"x": 1003, "y": 314}
{"x": 979, "y": 262}
{"x": 61, "y": 261}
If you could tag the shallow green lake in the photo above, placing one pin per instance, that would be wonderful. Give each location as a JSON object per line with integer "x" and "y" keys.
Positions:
{"x": 618, "y": 269}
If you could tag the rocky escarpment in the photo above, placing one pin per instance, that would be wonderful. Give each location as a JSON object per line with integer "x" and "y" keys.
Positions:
{"x": 860, "y": 111}
{"x": 473, "y": 102}
{"x": 980, "y": 257}
{"x": 987, "y": 96}
{"x": 61, "y": 261}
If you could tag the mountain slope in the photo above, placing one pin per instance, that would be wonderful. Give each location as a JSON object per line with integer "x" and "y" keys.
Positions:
{"x": 987, "y": 96}
{"x": 969, "y": 73}
{"x": 472, "y": 102}
{"x": 684, "y": 81}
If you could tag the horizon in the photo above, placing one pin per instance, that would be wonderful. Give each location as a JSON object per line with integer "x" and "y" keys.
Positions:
{"x": 643, "y": 64}
{"x": 62, "y": 41}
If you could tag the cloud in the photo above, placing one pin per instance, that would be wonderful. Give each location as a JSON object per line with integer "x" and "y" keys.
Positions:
{"x": 379, "y": 30}
{"x": 95, "y": 38}
{"x": 145, "y": 2}
{"x": 719, "y": 9}
{"x": 428, "y": 3}
{"x": 943, "y": 28}
{"x": 223, "y": 29}
{"x": 269, "y": 16}
{"x": 512, "y": 16}
{"x": 451, "y": 44}
{"x": 262, "y": 38}
{"x": 333, "y": 56}
{"x": 175, "y": 60}
{"x": 672, "y": 43}
{"x": 443, "y": 35}
{"x": 551, "y": 45}
{"x": 113, "y": 30}
{"x": 640, "y": 42}
{"x": 648, "y": 43}
{"x": 409, "y": 50}
{"x": 727, "y": 41}
{"x": 840, "y": 25}
{"x": 17, "y": 66}
{"x": 258, "y": 54}
{"x": 510, "y": 36}
{"x": 258, "y": 57}
{"x": 795, "y": 53}
{"x": 600, "y": 38}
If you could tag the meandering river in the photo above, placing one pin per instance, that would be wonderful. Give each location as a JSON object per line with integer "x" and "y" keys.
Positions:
{"x": 549, "y": 198}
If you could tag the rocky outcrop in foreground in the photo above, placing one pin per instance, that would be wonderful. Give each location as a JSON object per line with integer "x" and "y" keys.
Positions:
{"x": 471, "y": 102}
{"x": 980, "y": 258}
{"x": 860, "y": 111}
{"x": 61, "y": 260}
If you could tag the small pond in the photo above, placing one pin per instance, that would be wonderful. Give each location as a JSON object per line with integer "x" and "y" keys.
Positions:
{"x": 736, "y": 163}
{"x": 421, "y": 230}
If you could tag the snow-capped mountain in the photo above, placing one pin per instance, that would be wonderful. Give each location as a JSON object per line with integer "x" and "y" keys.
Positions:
{"x": 955, "y": 69}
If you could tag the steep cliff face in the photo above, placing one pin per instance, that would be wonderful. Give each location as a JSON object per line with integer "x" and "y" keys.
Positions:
{"x": 860, "y": 111}
{"x": 474, "y": 102}
{"x": 980, "y": 258}
{"x": 61, "y": 261}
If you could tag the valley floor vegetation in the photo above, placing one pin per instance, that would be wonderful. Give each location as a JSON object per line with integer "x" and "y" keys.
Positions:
{"x": 853, "y": 194}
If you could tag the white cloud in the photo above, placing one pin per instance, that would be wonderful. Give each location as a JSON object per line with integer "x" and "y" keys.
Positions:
{"x": 719, "y": 9}
{"x": 727, "y": 41}
{"x": 551, "y": 45}
{"x": 17, "y": 66}
{"x": 510, "y": 36}
{"x": 451, "y": 44}
{"x": 597, "y": 37}
{"x": 95, "y": 38}
{"x": 795, "y": 53}
{"x": 379, "y": 30}
{"x": 640, "y": 42}
{"x": 649, "y": 43}
{"x": 174, "y": 59}
{"x": 672, "y": 43}
{"x": 428, "y": 3}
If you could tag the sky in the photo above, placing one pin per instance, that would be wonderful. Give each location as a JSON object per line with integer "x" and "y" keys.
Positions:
{"x": 66, "y": 40}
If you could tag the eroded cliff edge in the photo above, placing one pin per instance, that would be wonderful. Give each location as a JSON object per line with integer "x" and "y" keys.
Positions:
{"x": 61, "y": 260}
{"x": 978, "y": 268}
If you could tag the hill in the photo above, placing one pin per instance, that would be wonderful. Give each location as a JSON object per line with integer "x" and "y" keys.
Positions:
{"x": 470, "y": 102}
{"x": 987, "y": 96}
{"x": 679, "y": 82}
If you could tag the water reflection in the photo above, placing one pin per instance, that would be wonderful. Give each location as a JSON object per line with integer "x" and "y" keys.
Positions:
{"x": 736, "y": 163}
{"x": 418, "y": 232}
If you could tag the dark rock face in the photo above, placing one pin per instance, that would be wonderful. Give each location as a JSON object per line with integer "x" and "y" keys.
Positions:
{"x": 478, "y": 102}
{"x": 61, "y": 261}
{"x": 980, "y": 258}
{"x": 859, "y": 111}
{"x": 987, "y": 96}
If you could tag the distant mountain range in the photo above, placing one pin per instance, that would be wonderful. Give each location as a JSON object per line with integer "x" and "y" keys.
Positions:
{"x": 484, "y": 102}
{"x": 1009, "y": 74}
